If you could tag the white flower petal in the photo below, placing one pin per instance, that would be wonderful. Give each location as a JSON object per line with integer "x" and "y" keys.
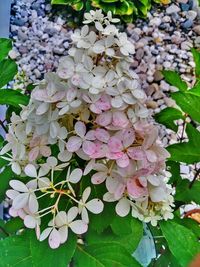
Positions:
{"x": 30, "y": 170}
{"x": 95, "y": 206}
{"x": 33, "y": 203}
{"x": 45, "y": 233}
{"x": 123, "y": 207}
{"x": 72, "y": 213}
{"x": 78, "y": 227}
{"x": 12, "y": 193}
{"x": 86, "y": 194}
{"x": 63, "y": 231}
{"x": 16, "y": 168}
{"x": 20, "y": 201}
{"x": 18, "y": 186}
{"x": 54, "y": 239}
{"x": 30, "y": 222}
{"x": 61, "y": 218}
{"x": 84, "y": 215}
{"x": 75, "y": 176}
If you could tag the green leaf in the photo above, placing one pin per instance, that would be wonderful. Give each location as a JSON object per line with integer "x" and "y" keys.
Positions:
{"x": 191, "y": 225}
{"x": 189, "y": 104}
{"x": 3, "y": 162}
{"x": 174, "y": 168}
{"x": 5, "y": 47}
{"x": 8, "y": 70}
{"x": 182, "y": 242}
{"x": 1, "y": 141}
{"x": 107, "y": 254}
{"x": 5, "y": 176}
{"x": 25, "y": 250}
{"x": 186, "y": 194}
{"x": 166, "y": 259}
{"x": 174, "y": 79}
{"x": 195, "y": 90}
{"x": 13, "y": 225}
{"x": 167, "y": 117}
{"x": 187, "y": 152}
{"x": 12, "y": 97}
{"x": 60, "y": 2}
{"x": 196, "y": 55}
{"x": 131, "y": 232}
{"x": 103, "y": 220}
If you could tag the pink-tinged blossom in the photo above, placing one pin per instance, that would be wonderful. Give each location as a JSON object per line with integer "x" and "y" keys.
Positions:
{"x": 118, "y": 146}
{"x": 113, "y": 120}
{"x": 38, "y": 146}
{"x": 82, "y": 139}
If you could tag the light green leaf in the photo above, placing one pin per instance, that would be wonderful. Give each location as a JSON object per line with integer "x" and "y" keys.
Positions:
{"x": 26, "y": 251}
{"x": 174, "y": 79}
{"x": 107, "y": 254}
{"x": 188, "y": 152}
{"x": 8, "y": 70}
{"x": 196, "y": 55}
{"x": 189, "y": 104}
{"x": 60, "y": 2}
{"x": 182, "y": 242}
{"x": 167, "y": 117}
{"x": 5, "y": 47}
{"x": 12, "y": 97}
{"x": 186, "y": 194}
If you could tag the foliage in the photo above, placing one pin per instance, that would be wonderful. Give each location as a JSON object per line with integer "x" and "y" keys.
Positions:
{"x": 182, "y": 235}
{"x": 127, "y": 10}
{"x": 110, "y": 239}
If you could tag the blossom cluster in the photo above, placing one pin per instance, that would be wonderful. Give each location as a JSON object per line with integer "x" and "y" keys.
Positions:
{"x": 87, "y": 125}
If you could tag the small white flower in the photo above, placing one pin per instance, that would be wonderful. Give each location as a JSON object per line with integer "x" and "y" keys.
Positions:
{"x": 95, "y": 205}
{"x": 22, "y": 196}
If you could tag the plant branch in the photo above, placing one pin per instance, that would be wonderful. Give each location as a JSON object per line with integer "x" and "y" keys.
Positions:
{"x": 194, "y": 179}
{"x": 3, "y": 126}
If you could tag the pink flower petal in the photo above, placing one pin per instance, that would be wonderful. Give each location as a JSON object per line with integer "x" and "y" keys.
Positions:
{"x": 45, "y": 151}
{"x": 104, "y": 103}
{"x": 120, "y": 119}
{"x": 89, "y": 147}
{"x": 104, "y": 119}
{"x": 135, "y": 189}
{"x": 80, "y": 129}
{"x": 34, "y": 153}
{"x": 98, "y": 177}
{"x": 90, "y": 135}
{"x": 123, "y": 162}
{"x": 115, "y": 144}
{"x": 119, "y": 191}
{"x": 74, "y": 143}
{"x": 128, "y": 137}
{"x": 151, "y": 155}
{"x": 136, "y": 153}
{"x": 102, "y": 135}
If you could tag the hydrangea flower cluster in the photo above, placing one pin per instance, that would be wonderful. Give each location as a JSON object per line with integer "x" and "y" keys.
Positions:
{"x": 87, "y": 125}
